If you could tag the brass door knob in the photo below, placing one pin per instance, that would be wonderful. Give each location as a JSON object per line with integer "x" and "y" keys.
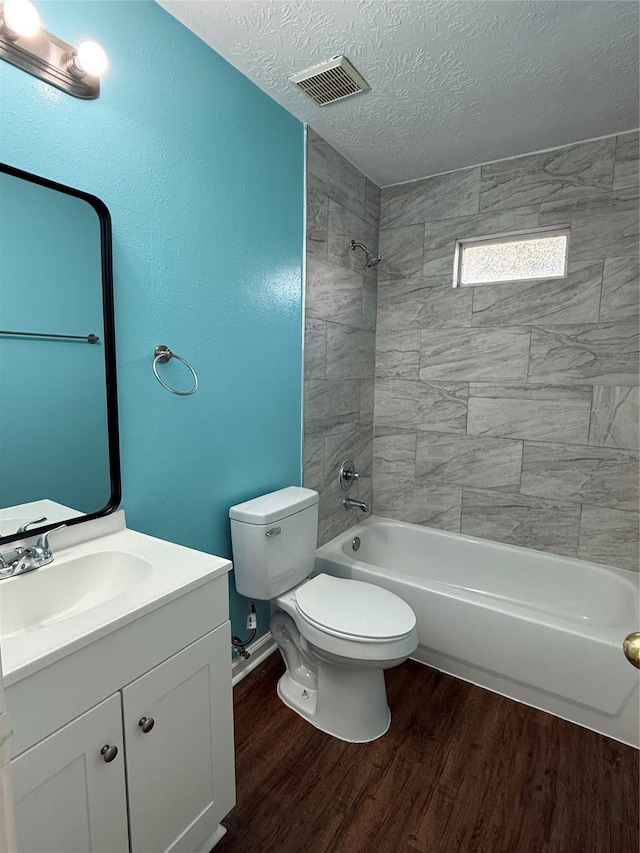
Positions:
{"x": 631, "y": 648}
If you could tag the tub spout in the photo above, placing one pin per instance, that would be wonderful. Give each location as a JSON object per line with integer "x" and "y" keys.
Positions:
{"x": 352, "y": 503}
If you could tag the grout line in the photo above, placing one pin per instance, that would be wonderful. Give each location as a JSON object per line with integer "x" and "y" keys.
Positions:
{"x": 601, "y": 288}
{"x": 590, "y": 416}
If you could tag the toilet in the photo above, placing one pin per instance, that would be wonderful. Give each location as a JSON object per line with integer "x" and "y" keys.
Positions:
{"x": 336, "y": 636}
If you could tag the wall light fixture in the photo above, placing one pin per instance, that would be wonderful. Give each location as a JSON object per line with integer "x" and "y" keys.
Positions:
{"x": 24, "y": 44}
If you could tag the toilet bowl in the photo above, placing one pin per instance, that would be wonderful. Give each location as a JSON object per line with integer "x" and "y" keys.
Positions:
{"x": 336, "y": 635}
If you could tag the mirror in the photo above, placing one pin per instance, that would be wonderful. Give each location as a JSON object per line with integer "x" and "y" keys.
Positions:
{"x": 59, "y": 453}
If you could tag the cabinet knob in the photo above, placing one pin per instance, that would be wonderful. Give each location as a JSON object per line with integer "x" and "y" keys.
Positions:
{"x": 108, "y": 753}
{"x": 146, "y": 724}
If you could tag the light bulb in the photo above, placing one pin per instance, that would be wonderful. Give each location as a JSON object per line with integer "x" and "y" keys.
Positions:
{"x": 91, "y": 58}
{"x": 21, "y": 17}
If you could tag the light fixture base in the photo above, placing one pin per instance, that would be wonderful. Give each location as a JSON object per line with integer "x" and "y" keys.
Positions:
{"x": 46, "y": 56}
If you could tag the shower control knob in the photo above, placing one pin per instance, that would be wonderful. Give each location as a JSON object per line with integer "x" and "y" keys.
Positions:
{"x": 146, "y": 724}
{"x": 108, "y": 753}
{"x": 347, "y": 475}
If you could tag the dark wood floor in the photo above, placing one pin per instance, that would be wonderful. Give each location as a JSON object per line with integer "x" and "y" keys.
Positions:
{"x": 460, "y": 770}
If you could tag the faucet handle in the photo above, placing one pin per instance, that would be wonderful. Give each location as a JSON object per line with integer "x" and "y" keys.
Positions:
{"x": 43, "y": 541}
{"x": 23, "y": 528}
{"x": 347, "y": 475}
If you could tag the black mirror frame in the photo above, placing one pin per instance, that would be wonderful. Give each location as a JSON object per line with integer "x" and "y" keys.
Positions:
{"x": 104, "y": 218}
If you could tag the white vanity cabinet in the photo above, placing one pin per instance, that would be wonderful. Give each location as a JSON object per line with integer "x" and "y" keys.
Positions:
{"x": 158, "y": 690}
{"x": 179, "y": 742}
{"x": 67, "y": 797}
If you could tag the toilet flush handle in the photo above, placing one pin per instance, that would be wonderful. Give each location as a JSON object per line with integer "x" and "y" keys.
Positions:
{"x": 275, "y": 531}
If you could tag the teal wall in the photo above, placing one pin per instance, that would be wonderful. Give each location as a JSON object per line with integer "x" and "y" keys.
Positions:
{"x": 203, "y": 174}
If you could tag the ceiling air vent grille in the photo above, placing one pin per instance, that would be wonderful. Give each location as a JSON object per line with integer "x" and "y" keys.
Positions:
{"x": 330, "y": 81}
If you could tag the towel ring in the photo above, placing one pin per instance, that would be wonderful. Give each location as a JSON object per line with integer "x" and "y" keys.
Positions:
{"x": 162, "y": 355}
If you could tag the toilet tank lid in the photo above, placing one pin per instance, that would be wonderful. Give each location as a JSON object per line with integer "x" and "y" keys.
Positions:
{"x": 276, "y": 505}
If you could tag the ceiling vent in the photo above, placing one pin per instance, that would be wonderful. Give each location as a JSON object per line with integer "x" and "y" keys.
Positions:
{"x": 330, "y": 81}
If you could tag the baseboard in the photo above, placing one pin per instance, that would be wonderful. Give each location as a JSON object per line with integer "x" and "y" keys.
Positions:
{"x": 259, "y": 650}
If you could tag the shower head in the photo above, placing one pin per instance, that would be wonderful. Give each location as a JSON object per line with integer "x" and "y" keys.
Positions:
{"x": 370, "y": 259}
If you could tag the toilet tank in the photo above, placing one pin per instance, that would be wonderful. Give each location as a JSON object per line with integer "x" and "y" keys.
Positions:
{"x": 274, "y": 541}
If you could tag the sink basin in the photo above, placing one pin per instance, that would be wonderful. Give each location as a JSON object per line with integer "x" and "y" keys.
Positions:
{"x": 67, "y": 587}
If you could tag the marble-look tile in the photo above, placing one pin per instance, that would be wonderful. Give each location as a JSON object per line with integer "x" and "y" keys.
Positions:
{"x": 345, "y": 226}
{"x": 330, "y": 406}
{"x": 315, "y": 349}
{"x": 595, "y": 204}
{"x": 620, "y": 289}
{"x": 394, "y": 458}
{"x": 430, "y": 504}
{"x": 468, "y": 460}
{"x": 369, "y": 304}
{"x": 317, "y": 219}
{"x": 441, "y": 197}
{"x": 615, "y": 416}
{"x": 422, "y": 405}
{"x": 605, "y": 354}
{"x": 604, "y": 235}
{"x": 408, "y": 304}
{"x": 475, "y": 354}
{"x": 339, "y": 179}
{"x": 574, "y": 299}
{"x": 537, "y": 412}
{"x": 401, "y": 251}
{"x": 397, "y": 354}
{"x": 313, "y": 463}
{"x": 573, "y": 172}
{"x": 440, "y": 236}
{"x": 330, "y": 498}
{"x": 372, "y": 204}
{"x": 609, "y": 536}
{"x": 529, "y": 522}
{"x": 367, "y": 397}
{"x": 356, "y": 444}
{"x": 594, "y": 475}
{"x": 626, "y": 171}
{"x": 333, "y": 293}
{"x": 350, "y": 352}
{"x": 333, "y": 525}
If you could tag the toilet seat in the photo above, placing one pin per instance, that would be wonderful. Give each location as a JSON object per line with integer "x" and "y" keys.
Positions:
{"x": 354, "y": 610}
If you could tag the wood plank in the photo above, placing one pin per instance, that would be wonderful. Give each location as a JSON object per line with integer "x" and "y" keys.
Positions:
{"x": 461, "y": 770}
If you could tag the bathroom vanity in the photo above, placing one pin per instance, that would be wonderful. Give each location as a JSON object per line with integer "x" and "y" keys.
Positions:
{"x": 120, "y": 704}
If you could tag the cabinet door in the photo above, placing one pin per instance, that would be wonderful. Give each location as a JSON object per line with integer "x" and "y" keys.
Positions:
{"x": 180, "y": 771}
{"x": 68, "y": 797}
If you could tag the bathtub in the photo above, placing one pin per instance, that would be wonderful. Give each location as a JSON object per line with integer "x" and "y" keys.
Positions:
{"x": 538, "y": 628}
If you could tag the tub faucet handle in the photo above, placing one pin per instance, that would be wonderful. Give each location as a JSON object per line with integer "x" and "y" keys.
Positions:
{"x": 347, "y": 475}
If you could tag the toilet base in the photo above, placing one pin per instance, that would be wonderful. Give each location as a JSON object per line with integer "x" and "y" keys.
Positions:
{"x": 349, "y": 703}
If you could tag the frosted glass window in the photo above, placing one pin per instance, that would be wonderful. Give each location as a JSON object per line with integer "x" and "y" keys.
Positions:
{"x": 517, "y": 258}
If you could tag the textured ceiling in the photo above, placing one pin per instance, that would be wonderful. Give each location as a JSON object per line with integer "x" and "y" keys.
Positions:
{"x": 453, "y": 83}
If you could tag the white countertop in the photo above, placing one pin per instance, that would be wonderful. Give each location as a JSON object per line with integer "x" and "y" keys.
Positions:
{"x": 175, "y": 571}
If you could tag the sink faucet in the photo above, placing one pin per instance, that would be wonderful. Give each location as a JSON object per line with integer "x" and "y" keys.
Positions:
{"x": 352, "y": 503}
{"x": 27, "y": 559}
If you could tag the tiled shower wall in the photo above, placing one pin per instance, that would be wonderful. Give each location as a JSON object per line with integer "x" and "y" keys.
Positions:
{"x": 510, "y": 411}
{"x": 340, "y": 321}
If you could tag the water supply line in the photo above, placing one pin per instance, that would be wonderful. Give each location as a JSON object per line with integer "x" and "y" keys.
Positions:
{"x": 252, "y": 624}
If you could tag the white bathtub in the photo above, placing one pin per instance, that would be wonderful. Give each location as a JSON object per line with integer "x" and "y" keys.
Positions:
{"x": 541, "y": 629}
